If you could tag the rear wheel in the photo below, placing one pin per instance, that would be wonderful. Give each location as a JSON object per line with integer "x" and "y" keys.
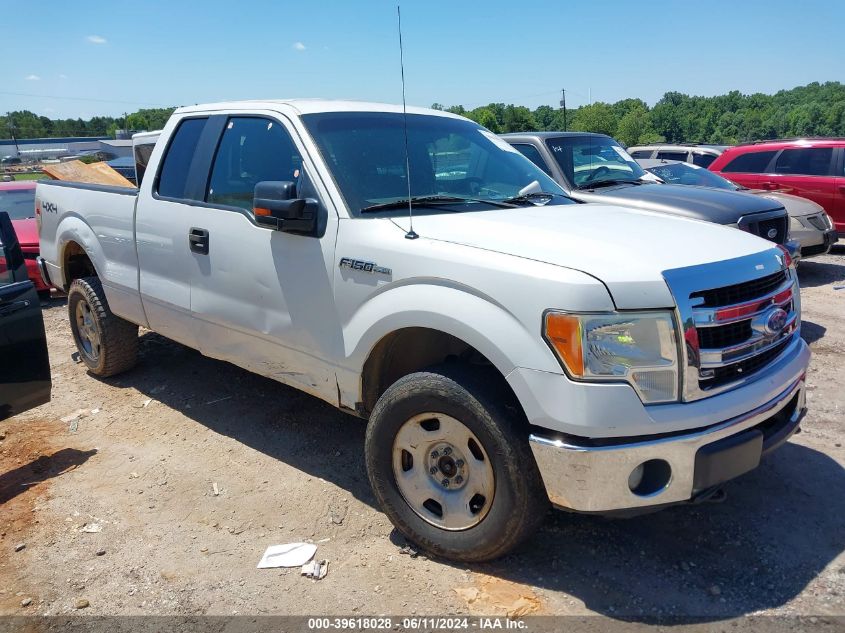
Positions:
{"x": 451, "y": 466}
{"x": 107, "y": 344}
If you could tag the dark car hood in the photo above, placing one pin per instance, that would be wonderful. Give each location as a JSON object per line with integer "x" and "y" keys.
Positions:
{"x": 700, "y": 203}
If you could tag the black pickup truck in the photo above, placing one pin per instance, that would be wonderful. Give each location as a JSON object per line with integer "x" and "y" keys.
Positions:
{"x": 595, "y": 168}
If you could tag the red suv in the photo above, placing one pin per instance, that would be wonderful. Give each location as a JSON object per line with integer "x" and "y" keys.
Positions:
{"x": 810, "y": 168}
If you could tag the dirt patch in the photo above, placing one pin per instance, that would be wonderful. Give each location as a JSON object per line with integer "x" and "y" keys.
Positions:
{"x": 493, "y": 596}
{"x": 30, "y": 458}
{"x": 288, "y": 467}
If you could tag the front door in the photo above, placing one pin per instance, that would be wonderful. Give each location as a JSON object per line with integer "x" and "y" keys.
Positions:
{"x": 260, "y": 298}
{"x": 25, "y": 366}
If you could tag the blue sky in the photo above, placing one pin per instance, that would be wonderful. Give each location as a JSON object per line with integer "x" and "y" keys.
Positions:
{"x": 87, "y": 57}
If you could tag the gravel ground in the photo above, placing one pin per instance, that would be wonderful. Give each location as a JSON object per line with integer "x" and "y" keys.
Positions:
{"x": 117, "y": 511}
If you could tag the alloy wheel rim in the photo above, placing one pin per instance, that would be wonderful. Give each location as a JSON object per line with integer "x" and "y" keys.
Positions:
{"x": 443, "y": 472}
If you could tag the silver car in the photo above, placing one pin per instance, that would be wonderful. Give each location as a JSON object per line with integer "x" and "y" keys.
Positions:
{"x": 808, "y": 222}
{"x": 697, "y": 154}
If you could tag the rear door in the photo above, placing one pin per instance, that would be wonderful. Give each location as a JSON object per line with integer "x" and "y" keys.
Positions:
{"x": 25, "y": 366}
{"x": 745, "y": 167}
{"x": 164, "y": 228}
{"x": 805, "y": 172}
{"x": 837, "y": 214}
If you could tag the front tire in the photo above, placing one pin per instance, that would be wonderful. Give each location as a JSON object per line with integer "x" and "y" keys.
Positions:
{"x": 107, "y": 344}
{"x": 450, "y": 464}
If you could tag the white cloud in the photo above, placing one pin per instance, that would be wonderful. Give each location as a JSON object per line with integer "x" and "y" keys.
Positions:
{"x": 97, "y": 39}
{"x": 33, "y": 78}
{"x": 299, "y": 46}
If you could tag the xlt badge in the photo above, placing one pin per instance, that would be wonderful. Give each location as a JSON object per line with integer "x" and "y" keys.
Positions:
{"x": 366, "y": 267}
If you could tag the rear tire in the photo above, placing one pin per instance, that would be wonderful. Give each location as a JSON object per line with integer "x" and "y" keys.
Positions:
{"x": 107, "y": 344}
{"x": 434, "y": 440}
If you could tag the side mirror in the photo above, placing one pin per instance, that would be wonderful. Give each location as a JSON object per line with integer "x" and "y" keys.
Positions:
{"x": 276, "y": 206}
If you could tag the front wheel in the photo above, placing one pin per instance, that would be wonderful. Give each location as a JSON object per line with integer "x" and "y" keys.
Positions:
{"x": 450, "y": 464}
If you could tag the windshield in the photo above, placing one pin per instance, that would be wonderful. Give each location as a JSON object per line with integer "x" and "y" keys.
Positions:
{"x": 365, "y": 152}
{"x": 587, "y": 160}
{"x": 686, "y": 174}
{"x": 18, "y": 204}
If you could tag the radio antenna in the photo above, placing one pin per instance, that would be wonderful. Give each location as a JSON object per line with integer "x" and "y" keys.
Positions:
{"x": 411, "y": 234}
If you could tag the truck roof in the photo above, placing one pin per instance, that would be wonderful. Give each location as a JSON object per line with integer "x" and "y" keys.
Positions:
{"x": 313, "y": 106}
{"x": 550, "y": 134}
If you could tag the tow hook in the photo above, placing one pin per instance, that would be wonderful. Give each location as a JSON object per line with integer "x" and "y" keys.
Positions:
{"x": 713, "y": 495}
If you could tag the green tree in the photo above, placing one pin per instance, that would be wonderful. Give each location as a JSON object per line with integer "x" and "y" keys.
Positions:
{"x": 635, "y": 128}
{"x": 486, "y": 117}
{"x": 518, "y": 119}
{"x": 598, "y": 117}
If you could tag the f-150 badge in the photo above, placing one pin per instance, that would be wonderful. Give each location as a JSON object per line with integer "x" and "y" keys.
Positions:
{"x": 366, "y": 267}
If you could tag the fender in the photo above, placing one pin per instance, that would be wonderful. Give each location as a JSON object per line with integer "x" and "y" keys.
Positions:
{"x": 474, "y": 319}
{"x": 119, "y": 282}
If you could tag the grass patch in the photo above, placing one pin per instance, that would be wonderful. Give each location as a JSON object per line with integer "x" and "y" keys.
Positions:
{"x": 29, "y": 176}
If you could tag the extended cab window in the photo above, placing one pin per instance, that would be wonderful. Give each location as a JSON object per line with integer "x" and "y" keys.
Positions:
{"x": 252, "y": 150}
{"x": 533, "y": 154}
{"x": 641, "y": 153}
{"x": 671, "y": 155}
{"x": 702, "y": 160}
{"x": 805, "y": 162}
{"x": 173, "y": 178}
{"x": 750, "y": 162}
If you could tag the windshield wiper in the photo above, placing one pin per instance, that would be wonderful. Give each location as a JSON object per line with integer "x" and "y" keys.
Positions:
{"x": 535, "y": 197}
{"x": 608, "y": 181}
{"x": 433, "y": 201}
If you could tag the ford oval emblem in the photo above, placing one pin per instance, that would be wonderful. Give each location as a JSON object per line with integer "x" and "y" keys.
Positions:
{"x": 775, "y": 321}
{"x": 772, "y": 234}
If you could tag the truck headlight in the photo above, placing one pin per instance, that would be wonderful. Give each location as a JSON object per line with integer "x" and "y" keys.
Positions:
{"x": 640, "y": 348}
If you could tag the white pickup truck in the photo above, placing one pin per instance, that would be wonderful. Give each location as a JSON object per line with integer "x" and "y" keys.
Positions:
{"x": 511, "y": 348}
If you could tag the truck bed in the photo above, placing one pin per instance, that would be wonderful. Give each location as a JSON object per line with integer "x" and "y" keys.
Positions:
{"x": 99, "y": 219}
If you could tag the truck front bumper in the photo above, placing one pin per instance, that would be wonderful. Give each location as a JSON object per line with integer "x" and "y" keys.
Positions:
{"x": 627, "y": 473}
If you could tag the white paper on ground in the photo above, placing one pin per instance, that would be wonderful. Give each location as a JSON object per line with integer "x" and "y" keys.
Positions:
{"x": 287, "y": 555}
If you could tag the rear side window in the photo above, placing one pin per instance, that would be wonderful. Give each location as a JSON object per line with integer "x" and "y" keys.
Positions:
{"x": 142, "y": 159}
{"x": 750, "y": 162}
{"x": 806, "y": 161}
{"x": 702, "y": 160}
{"x": 252, "y": 150}
{"x": 641, "y": 153}
{"x": 173, "y": 178}
{"x": 681, "y": 156}
{"x": 533, "y": 154}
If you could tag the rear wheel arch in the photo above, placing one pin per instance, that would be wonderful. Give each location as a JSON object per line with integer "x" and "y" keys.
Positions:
{"x": 76, "y": 264}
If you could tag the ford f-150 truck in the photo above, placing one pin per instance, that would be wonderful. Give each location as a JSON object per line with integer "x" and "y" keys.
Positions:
{"x": 507, "y": 345}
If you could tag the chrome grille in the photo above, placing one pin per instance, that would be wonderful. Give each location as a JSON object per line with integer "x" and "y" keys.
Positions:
{"x": 734, "y": 330}
{"x": 772, "y": 225}
{"x": 740, "y": 292}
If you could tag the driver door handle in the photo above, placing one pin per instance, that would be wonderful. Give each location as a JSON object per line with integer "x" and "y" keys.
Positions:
{"x": 198, "y": 240}
{"x": 9, "y": 308}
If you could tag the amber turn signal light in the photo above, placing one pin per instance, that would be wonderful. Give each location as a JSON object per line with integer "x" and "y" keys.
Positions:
{"x": 563, "y": 332}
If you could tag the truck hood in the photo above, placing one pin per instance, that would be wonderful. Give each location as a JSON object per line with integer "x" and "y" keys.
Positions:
{"x": 795, "y": 206}
{"x": 701, "y": 203}
{"x": 626, "y": 249}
